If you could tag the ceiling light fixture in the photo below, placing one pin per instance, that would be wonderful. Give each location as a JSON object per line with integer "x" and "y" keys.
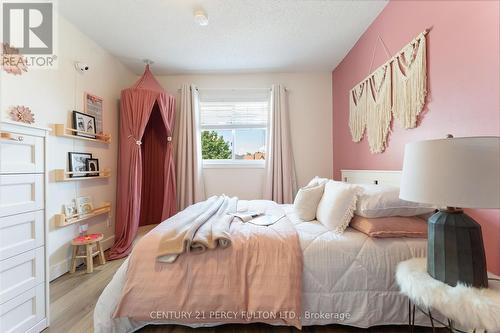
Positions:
{"x": 200, "y": 17}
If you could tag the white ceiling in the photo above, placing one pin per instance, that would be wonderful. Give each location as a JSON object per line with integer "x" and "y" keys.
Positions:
{"x": 242, "y": 35}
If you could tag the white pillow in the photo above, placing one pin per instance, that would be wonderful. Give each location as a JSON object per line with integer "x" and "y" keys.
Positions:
{"x": 317, "y": 181}
{"x": 336, "y": 208}
{"x": 383, "y": 201}
{"x": 307, "y": 200}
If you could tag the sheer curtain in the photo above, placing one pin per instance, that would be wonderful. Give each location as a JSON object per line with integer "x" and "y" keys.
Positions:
{"x": 281, "y": 183}
{"x": 190, "y": 187}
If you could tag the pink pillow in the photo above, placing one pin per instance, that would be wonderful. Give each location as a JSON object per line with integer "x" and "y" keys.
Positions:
{"x": 394, "y": 226}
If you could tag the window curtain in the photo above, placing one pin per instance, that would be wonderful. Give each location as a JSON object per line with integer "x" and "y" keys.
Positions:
{"x": 190, "y": 187}
{"x": 281, "y": 183}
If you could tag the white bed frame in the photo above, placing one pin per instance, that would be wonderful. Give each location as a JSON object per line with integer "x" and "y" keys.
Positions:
{"x": 382, "y": 177}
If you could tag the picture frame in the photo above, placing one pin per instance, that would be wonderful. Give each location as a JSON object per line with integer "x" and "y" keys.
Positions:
{"x": 92, "y": 164}
{"x": 77, "y": 163}
{"x": 84, "y": 205}
{"x": 84, "y": 123}
{"x": 70, "y": 209}
{"x": 93, "y": 105}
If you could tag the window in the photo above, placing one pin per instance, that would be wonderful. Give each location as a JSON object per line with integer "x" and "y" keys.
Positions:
{"x": 234, "y": 126}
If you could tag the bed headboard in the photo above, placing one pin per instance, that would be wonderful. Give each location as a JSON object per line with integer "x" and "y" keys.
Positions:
{"x": 383, "y": 177}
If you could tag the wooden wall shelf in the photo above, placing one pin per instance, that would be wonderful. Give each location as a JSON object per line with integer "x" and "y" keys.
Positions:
{"x": 62, "y": 220}
{"x": 62, "y": 175}
{"x": 62, "y": 130}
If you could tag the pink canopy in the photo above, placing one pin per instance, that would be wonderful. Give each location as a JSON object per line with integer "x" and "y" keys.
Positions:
{"x": 146, "y": 173}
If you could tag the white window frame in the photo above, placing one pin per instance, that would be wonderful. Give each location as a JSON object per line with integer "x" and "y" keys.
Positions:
{"x": 233, "y": 163}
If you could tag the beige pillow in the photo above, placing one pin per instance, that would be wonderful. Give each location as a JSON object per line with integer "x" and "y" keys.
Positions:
{"x": 337, "y": 205}
{"x": 394, "y": 226}
{"x": 307, "y": 200}
{"x": 317, "y": 181}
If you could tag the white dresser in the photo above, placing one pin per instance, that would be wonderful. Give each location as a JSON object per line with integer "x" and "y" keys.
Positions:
{"x": 23, "y": 229}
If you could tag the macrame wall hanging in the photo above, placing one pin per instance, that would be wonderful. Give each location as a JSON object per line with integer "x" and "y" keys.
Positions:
{"x": 357, "y": 107}
{"x": 395, "y": 89}
{"x": 378, "y": 109}
{"x": 410, "y": 83}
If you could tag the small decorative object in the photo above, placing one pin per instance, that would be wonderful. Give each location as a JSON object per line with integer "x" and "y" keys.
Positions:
{"x": 397, "y": 89}
{"x": 84, "y": 123}
{"x": 92, "y": 165}
{"x": 93, "y": 107}
{"x": 454, "y": 173}
{"x": 78, "y": 163}
{"x": 22, "y": 114}
{"x": 12, "y": 61}
{"x": 70, "y": 209}
{"x": 84, "y": 205}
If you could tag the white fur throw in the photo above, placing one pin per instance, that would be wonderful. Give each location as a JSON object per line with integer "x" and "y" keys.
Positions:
{"x": 467, "y": 306}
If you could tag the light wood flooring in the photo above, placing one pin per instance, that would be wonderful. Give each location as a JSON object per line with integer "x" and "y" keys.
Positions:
{"x": 73, "y": 298}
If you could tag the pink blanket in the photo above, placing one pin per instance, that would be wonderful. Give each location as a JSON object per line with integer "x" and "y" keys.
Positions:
{"x": 257, "y": 279}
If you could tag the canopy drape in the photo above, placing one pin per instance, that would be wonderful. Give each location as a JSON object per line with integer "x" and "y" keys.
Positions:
{"x": 136, "y": 106}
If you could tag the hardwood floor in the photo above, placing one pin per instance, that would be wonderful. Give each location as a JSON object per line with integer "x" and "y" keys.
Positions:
{"x": 73, "y": 298}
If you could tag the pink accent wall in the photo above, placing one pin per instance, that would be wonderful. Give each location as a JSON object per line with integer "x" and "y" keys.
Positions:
{"x": 463, "y": 55}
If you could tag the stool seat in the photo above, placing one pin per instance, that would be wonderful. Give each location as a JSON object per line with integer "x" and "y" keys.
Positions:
{"x": 87, "y": 242}
{"x": 87, "y": 239}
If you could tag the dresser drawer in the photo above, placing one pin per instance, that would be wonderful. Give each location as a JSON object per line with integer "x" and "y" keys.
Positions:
{"x": 21, "y": 273}
{"x": 21, "y": 154}
{"x": 21, "y": 193}
{"x": 23, "y": 312}
{"x": 20, "y": 233}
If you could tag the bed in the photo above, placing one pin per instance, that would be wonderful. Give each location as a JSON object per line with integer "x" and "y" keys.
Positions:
{"x": 347, "y": 279}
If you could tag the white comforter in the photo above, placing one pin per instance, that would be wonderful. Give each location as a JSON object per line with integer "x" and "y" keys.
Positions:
{"x": 348, "y": 279}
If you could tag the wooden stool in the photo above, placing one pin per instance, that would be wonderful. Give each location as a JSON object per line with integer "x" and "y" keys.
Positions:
{"x": 88, "y": 241}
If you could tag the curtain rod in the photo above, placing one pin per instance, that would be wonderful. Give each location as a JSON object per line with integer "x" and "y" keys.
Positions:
{"x": 179, "y": 90}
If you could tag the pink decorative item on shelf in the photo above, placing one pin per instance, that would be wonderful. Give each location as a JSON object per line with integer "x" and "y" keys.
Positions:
{"x": 12, "y": 61}
{"x": 22, "y": 114}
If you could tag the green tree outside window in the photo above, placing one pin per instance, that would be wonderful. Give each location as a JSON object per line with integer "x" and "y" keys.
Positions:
{"x": 213, "y": 146}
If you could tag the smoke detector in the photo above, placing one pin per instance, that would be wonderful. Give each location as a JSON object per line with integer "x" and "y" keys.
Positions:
{"x": 200, "y": 17}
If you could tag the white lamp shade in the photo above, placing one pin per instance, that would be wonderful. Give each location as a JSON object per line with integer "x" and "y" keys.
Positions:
{"x": 454, "y": 172}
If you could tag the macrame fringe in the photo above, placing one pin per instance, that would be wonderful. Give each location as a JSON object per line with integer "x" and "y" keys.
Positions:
{"x": 348, "y": 215}
{"x": 357, "y": 111}
{"x": 378, "y": 110}
{"x": 410, "y": 83}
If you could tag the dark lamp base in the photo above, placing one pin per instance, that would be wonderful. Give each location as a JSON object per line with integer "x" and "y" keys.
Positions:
{"x": 455, "y": 250}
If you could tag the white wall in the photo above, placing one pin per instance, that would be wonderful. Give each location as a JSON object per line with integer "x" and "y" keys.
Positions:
{"x": 51, "y": 95}
{"x": 311, "y": 124}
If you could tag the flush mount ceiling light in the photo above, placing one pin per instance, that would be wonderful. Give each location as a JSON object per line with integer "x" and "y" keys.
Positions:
{"x": 200, "y": 17}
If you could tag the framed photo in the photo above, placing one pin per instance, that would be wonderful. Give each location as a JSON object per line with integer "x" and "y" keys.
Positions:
{"x": 93, "y": 106}
{"x": 92, "y": 165}
{"x": 84, "y": 122}
{"x": 84, "y": 205}
{"x": 70, "y": 209}
{"x": 77, "y": 163}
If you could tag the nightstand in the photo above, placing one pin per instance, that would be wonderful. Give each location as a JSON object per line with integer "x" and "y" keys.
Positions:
{"x": 465, "y": 308}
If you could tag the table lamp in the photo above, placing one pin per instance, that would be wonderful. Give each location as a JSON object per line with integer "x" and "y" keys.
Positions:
{"x": 454, "y": 173}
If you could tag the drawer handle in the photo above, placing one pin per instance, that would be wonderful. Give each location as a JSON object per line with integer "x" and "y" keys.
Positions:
{"x": 9, "y": 136}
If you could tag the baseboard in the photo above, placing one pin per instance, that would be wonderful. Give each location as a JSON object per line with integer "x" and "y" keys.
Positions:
{"x": 40, "y": 326}
{"x": 62, "y": 267}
